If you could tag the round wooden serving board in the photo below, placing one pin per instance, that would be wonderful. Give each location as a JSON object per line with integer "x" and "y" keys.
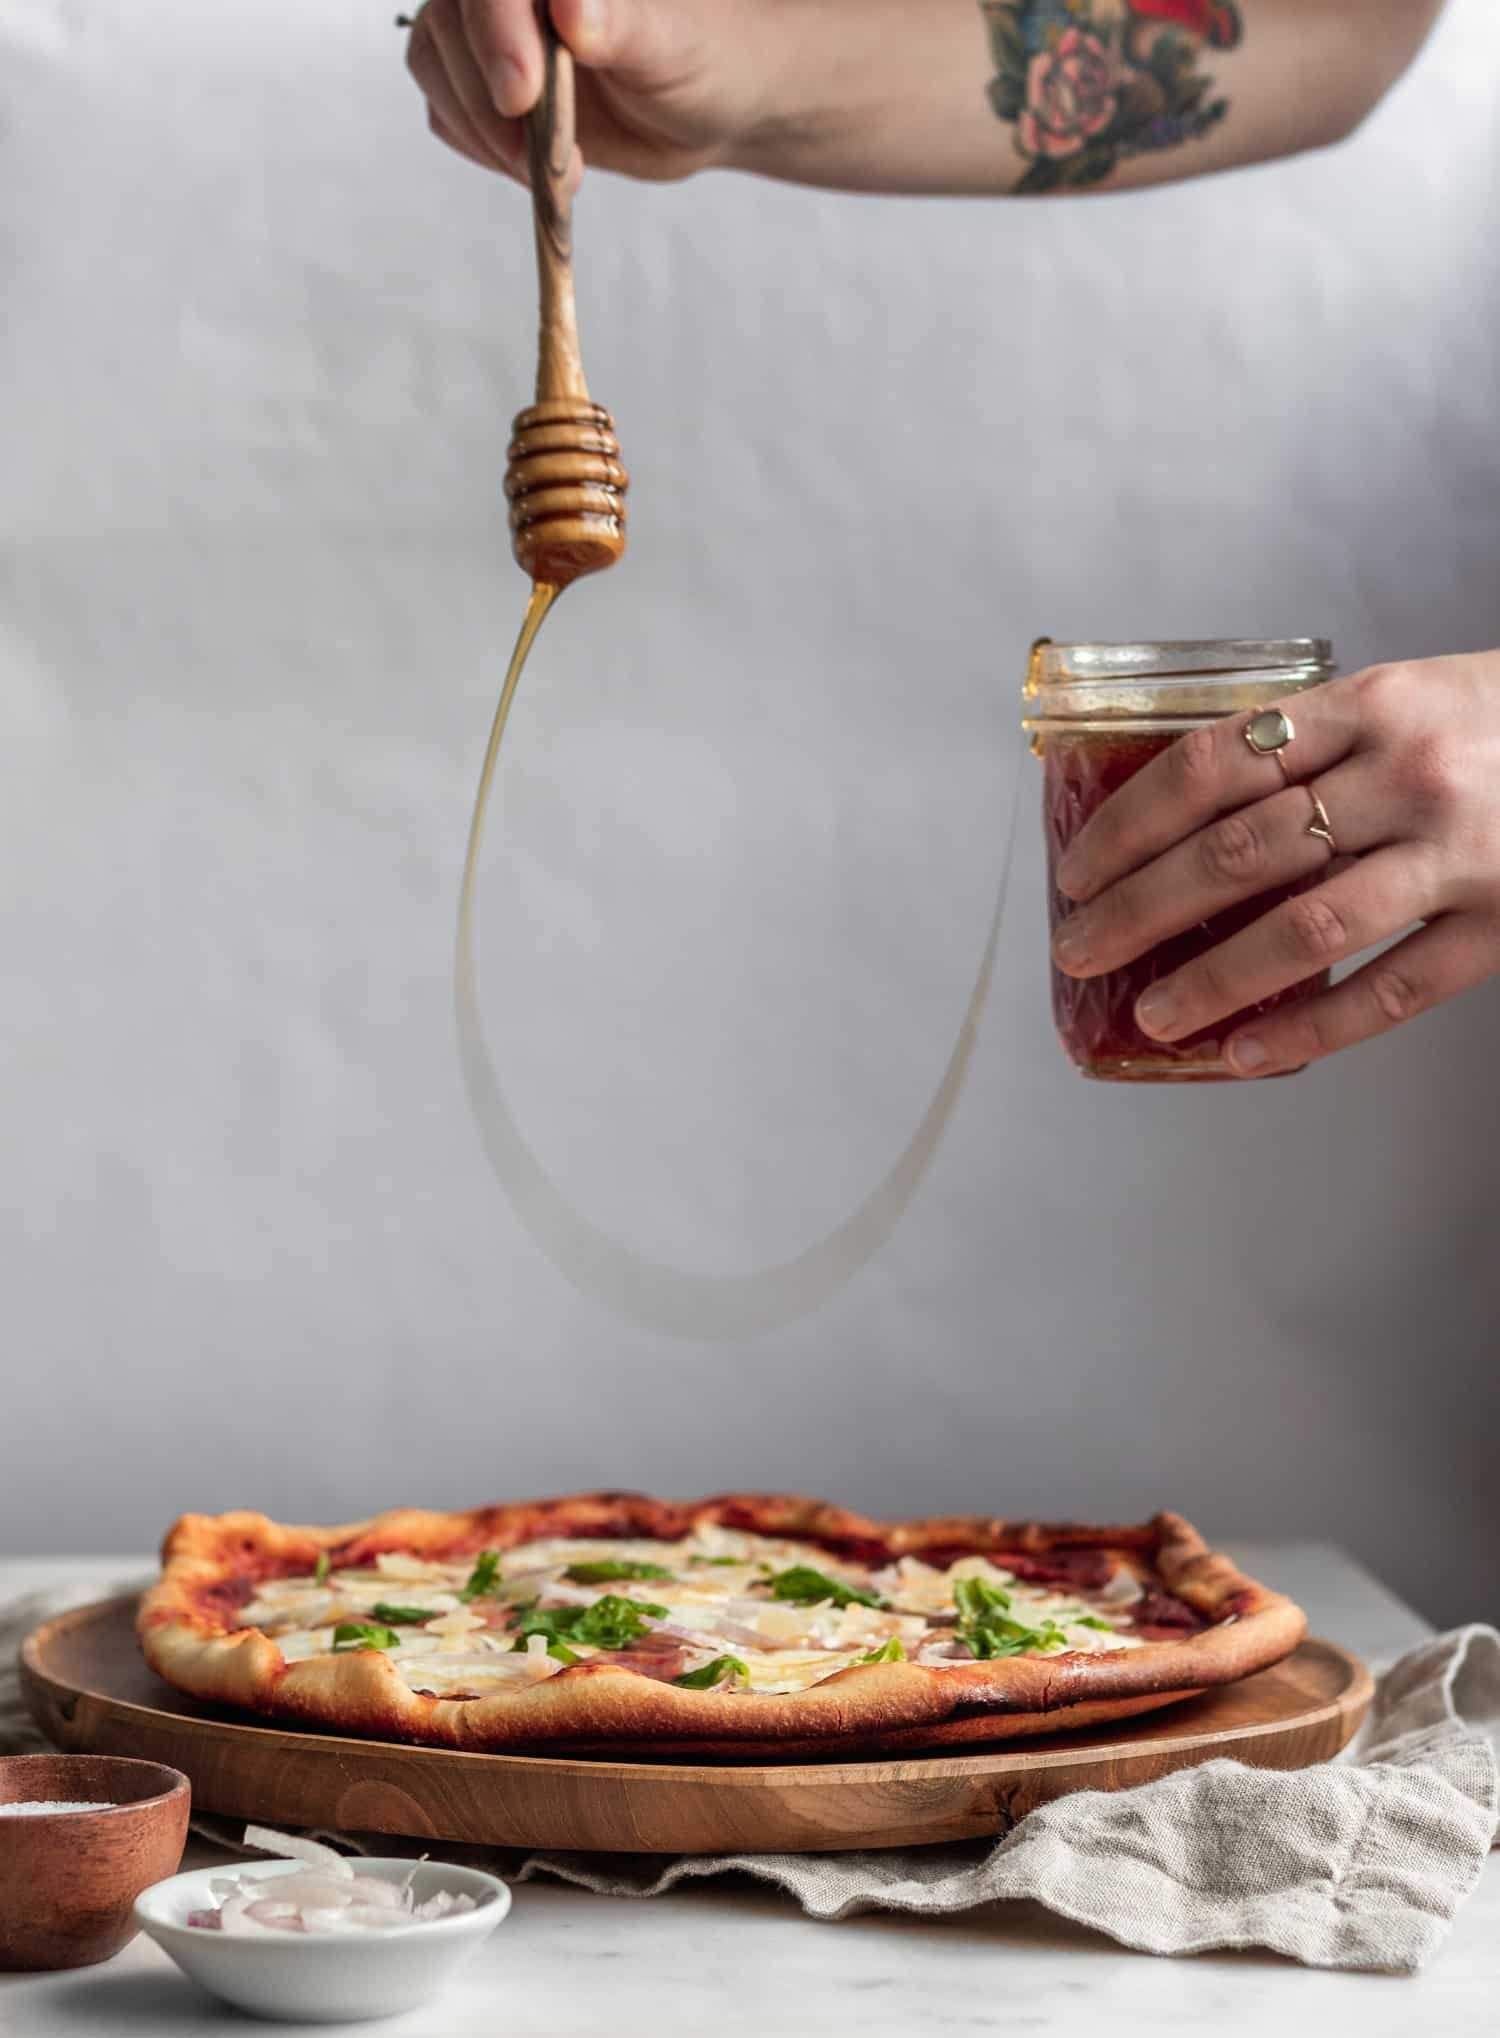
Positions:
{"x": 89, "y": 1689}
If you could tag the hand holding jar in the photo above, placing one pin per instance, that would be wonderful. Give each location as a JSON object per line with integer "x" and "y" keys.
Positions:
{"x": 1334, "y": 820}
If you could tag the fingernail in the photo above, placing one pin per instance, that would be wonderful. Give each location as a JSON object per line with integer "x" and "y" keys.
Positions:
{"x": 514, "y": 84}
{"x": 1072, "y": 877}
{"x": 1247, "y": 1053}
{"x": 1156, "y": 1009}
{"x": 593, "y": 20}
{"x": 1070, "y": 944}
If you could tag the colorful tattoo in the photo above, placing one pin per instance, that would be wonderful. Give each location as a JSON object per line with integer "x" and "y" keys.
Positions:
{"x": 1088, "y": 82}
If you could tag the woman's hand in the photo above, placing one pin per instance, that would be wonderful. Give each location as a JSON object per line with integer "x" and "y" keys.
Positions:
{"x": 663, "y": 88}
{"x": 1406, "y": 761}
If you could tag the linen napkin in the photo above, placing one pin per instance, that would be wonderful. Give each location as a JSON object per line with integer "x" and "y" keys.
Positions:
{"x": 1360, "y": 1863}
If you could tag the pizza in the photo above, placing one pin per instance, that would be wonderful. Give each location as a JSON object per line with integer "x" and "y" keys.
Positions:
{"x": 745, "y": 1625}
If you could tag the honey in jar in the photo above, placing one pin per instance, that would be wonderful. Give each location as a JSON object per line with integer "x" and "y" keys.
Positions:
{"x": 1096, "y": 714}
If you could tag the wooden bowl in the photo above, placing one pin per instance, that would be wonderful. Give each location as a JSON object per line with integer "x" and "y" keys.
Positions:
{"x": 69, "y": 1880}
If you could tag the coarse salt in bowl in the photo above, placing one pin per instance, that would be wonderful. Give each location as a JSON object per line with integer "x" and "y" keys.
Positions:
{"x": 53, "y": 1807}
{"x": 80, "y": 1837}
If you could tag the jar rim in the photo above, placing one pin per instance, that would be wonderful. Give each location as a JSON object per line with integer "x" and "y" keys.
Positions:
{"x": 1059, "y": 663}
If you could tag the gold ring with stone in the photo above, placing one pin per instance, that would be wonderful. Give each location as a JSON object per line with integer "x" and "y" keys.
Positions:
{"x": 1267, "y": 733}
{"x": 1320, "y": 825}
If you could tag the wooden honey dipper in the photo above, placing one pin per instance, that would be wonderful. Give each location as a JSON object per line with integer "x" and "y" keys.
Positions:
{"x": 566, "y": 488}
{"x": 564, "y": 479}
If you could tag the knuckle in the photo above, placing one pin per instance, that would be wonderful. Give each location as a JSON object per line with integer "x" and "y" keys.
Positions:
{"x": 1232, "y": 851}
{"x": 1115, "y": 919}
{"x": 1196, "y": 760}
{"x": 1383, "y": 693}
{"x": 1303, "y": 1033}
{"x": 1396, "y": 996}
{"x": 1428, "y": 774}
{"x": 484, "y": 25}
{"x": 419, "y": 51}
{"x": 1314, "y": 930}
{"x": 487, "y": 50}
{"x": 1303, "y": 1039}
{"x": 1110, "y": 847}
{"x": 1204, "y": 989}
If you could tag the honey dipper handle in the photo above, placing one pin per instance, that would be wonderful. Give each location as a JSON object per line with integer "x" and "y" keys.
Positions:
{"x": 549, "y": 151}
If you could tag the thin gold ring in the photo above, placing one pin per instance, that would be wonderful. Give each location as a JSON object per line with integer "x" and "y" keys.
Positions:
{"x": 1320, "y": 825}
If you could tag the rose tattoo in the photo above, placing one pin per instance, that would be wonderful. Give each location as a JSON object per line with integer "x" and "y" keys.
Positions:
{"x": 1085, "y": 83}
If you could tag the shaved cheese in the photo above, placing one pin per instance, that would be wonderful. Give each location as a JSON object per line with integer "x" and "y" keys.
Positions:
{"x": 792, "y": 1669}
{"x": 711, "y": 1581}
{"x": 777, "y": 1623}
{"x": 855, "y": 1627}
{"x": 296, "y": 1601}
{"x": 1123, "y": 1589}
{"x": 1098, "y": 1641}
{"x": 917, "y": 1587}
{"x": 461, "y": 1621}
{"x": 981, "y": 1567}
{"x": 455, "y": 1666}
{"x": 397, "y": 1564}
{"x": 536, "y": 1663}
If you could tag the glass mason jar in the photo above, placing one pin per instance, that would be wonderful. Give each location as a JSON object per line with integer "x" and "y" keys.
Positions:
{"x": 1096, "y": 713}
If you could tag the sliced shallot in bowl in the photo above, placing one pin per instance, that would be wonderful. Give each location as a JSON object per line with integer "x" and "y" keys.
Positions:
{"x": 326, "y": 1894}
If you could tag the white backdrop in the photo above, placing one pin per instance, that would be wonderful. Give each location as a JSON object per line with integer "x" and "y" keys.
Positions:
{"x": 261, "y": 343}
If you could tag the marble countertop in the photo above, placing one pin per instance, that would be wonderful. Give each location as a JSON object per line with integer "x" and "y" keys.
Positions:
{"x": 728, "y": 1959}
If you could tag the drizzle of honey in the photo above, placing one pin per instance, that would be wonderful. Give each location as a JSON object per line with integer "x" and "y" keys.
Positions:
{"x": 646, "y": 1292}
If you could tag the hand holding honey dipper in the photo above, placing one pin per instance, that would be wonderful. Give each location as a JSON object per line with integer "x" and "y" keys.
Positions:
{"x": 897, "y": 95}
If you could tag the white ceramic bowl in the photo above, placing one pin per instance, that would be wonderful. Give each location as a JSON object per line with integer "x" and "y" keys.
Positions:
{"x": 332, "y": 1978}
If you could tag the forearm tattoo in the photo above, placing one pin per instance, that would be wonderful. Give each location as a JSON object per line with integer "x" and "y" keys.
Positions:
{"x": 1086, "y": 83}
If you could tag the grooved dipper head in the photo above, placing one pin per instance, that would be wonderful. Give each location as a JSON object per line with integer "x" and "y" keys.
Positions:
{"x": 566, "y": 488}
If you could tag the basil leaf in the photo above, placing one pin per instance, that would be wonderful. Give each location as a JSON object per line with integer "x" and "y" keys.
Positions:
{"x": 985, "y": 1644}
{"x": 1091, "y": 1620}
{"x": 401, "y": 1616}
{"x": 806, "y": 1587}
{"x": 696, "y": 1559}
{"x": 484, "y": 1577}
{"x": 610, "y": 1623}
{"x": 888, "y": 1652}
{"x": 722, "y": 1670}
{"x": 984, "y": 1624}
{"x": 1001, "y": 1637}
{"x": 562, "y": 1652}
{"x": 322, "y": 1568}
{"x": 364, "y": 1634}
{"x": 976, "y": 1599}
{"x": 611, "y": 1613}
{"x": 601, "y": 1570}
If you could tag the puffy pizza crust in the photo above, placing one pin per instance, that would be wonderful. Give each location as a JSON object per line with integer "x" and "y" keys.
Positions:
{"x": 190, "y": 1634}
